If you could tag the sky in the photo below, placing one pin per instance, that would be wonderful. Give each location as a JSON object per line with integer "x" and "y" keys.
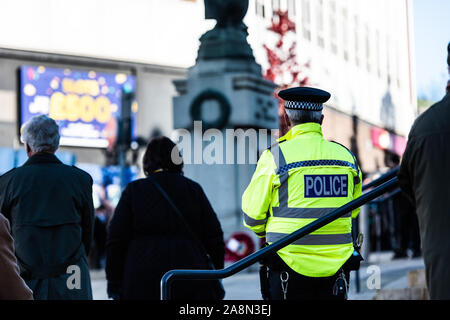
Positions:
{"x": 432, "y": 34}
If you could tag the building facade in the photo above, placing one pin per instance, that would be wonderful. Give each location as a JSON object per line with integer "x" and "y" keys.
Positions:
{"x": 361, "y": 51}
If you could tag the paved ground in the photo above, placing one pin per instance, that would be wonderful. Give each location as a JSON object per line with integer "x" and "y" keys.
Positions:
{"x": 245, "y": 285}
{"x": 393, "y": 275}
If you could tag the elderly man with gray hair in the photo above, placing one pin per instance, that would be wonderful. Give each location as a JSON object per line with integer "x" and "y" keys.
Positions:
{"x": 49, "y": 206}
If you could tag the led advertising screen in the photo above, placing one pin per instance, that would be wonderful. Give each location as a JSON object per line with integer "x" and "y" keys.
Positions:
{"x": 85, "y": 104}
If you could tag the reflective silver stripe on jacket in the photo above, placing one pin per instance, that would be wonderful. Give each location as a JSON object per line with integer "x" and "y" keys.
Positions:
{"x": 313, "y": 239}
{"x": 261, "y": 234}
{"x": 281, "y": 162}
{"x": 283, "y": 211}
{"x": 253, "y": 222}
{"x": 304, "y": 213}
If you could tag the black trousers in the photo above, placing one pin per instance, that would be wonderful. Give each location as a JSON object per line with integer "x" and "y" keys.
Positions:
{"x": 300, "y": 287}
{"x": 406, "y": 226}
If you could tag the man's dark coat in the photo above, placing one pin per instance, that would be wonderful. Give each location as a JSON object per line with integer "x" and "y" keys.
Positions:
{"x": 49, "y": 205}
{"x": 425, "y": 177}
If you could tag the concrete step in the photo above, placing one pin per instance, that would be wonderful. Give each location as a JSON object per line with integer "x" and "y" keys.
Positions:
{"x": 416, "y": 290}
{"x": 402, "y": 294}
{"x": 416, "y": 278}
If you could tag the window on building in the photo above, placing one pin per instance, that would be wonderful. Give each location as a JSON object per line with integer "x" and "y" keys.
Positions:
{"x": 306, "y": 19}
{"x": 378, "y": 53}
{"x": 260, "y": 8}
{"x": 388, "y": 59}
{"x": 333, "y": 27}
{"x": 368, "y": 49}
{"x": 276, "y": 5}
{"x": 319, "y": 23}
{"x": 345, "y": 30}
{"x": 291, "y": 8}
{"x": 356, "y": 42}
{"x": 392, "y": 61}
{"x": 397, "y": 63}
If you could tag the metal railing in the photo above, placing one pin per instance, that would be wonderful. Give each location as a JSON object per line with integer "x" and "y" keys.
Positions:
{"x": 385, "y": 183}
{"x": 385, "y": 177}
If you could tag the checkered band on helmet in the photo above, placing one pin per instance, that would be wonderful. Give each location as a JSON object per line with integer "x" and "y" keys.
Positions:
{"x": 298, "y": 105}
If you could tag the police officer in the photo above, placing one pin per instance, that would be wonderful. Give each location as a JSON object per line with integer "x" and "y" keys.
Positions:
{"x": 297, "y": 181}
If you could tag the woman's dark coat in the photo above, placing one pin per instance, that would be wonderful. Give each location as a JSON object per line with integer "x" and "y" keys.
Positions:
{"x": 146, "y": 238}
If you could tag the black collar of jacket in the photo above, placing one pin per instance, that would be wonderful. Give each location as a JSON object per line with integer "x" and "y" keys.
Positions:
{"x": 42, "y": 157}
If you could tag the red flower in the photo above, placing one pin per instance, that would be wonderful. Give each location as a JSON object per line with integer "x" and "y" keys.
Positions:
{"x": 283, "y": 63}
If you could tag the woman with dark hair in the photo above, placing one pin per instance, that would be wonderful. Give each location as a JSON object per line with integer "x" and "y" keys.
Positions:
{"x": 147, "y": 238}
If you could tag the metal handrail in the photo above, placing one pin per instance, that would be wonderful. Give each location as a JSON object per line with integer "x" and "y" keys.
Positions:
{"x": 170, "y": 276}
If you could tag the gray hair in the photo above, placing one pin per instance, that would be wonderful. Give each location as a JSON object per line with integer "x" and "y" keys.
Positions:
{"x": 41, "y": 133}
{"x": 303, "y": 116}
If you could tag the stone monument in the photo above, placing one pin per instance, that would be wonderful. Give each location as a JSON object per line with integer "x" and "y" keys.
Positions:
{"x": 224, "y": 93}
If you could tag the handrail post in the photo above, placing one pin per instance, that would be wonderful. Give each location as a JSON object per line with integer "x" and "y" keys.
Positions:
{"x": 364, "y": 227}
{"x": 166, "y": 289}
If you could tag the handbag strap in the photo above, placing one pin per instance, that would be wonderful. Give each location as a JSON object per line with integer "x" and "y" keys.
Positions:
{"x": 179, "y": 214}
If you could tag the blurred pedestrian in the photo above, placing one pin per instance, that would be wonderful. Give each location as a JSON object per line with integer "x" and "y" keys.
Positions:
{"x": 424, "y": 176}
{"x": 49, "y": 205}
{"x": 406, "y": 228}
{"x": 402, "y": 216}
{"x": 99, "y": 240}
{"x": 103, "y": 214}
{"x": 12, "y": 286}
{"x": 147, "y": 237}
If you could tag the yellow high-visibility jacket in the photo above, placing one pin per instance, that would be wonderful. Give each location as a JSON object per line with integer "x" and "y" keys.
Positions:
{"x": 297, "y": 181}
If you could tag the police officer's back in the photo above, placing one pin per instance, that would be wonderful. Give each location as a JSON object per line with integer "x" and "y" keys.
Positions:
{"x": 297, "y": 181}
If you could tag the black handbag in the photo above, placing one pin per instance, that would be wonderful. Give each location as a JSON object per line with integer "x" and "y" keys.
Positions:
{"x": 218, "y": 291}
